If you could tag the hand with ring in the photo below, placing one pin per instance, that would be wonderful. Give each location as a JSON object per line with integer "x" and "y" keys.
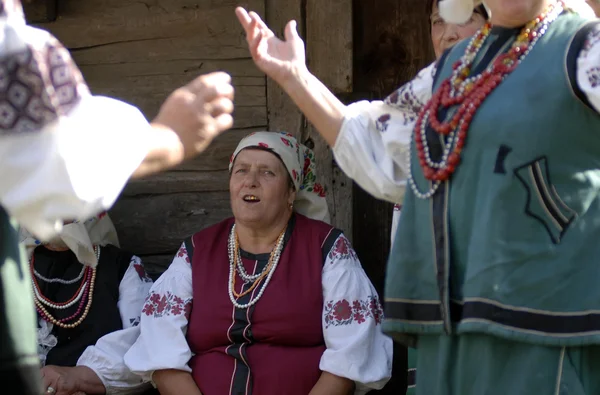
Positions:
{"x": 59, "y": 380}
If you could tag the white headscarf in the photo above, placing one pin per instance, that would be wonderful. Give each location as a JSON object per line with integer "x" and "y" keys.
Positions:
{"x": 80, "y": 237}
{"x": 299, "y": 161}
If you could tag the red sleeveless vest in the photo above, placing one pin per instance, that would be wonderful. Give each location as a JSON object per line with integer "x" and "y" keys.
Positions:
{"x": 275, "y": 346}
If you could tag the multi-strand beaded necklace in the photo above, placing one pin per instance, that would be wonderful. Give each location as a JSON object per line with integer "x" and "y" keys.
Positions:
{"x": 237, "y": 266}
{"x": 83, "y": 295}
{"x": 467, "y": 93}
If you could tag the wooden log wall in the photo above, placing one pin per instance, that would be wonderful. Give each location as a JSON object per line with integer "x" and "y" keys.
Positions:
{"x": 140, "y": 50}
{"x": 326, "y": 27}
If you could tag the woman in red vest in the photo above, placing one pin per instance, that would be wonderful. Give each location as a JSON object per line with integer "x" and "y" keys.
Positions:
{"x": 272, "y": 301}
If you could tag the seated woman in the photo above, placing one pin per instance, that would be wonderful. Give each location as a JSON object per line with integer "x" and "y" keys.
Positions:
{"x": 89, "y": 295}
{"x": 272, "y": 301}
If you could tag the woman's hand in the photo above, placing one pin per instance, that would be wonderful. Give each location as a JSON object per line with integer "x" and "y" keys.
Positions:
{"x": 279, "y": 59}
{"x": 80, "y": 380}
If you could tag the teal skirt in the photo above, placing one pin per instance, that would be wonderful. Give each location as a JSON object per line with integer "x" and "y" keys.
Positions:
{"x": 477, "y": 364}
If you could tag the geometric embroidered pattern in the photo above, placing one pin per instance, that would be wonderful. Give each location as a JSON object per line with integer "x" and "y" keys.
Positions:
{"x": 37, "y": 86}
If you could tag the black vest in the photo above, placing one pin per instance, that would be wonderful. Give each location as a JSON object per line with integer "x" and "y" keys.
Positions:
{"x": 103, "y": 317}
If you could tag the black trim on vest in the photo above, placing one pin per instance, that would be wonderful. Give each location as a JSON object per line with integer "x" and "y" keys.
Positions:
{"x": 189, "y": 247}
{"x": 546, "y": 322}
{"x": 330, "y": 242}
{"x": 241, "y": 331}
{"x": 572, "y": 56}
{"x": 412, "y": 378}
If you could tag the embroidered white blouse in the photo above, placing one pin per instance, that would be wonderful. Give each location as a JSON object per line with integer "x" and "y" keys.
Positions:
{"x": 357, "y": 350}
{"x": 105, "y": 358}
{"x": 373, "y": 146}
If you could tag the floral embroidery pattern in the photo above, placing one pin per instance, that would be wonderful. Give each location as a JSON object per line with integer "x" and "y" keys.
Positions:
{"x": 158, "y": 305}
{"x": 264, "y": 145}
{"x": 139, "y": 268}
{"x": 310, "y": 184}
{"x": 182, "y": 253}
{"x": 405, "y": 100}
{"x": 342, "y": 312}
{"x": 592, "y": 39}
{"x": 134, "y": 321}
{"x": 593, "y": 75}
{"x": 397, "y": 207}
{"x": 382, "y": 122}
{"x": 342, "y": 250}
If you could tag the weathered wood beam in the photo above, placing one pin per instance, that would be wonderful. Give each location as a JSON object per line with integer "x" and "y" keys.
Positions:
{"x": 329, "y": 43}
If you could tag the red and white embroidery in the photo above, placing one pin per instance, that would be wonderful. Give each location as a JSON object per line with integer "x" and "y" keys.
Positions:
{"x": 139, "y": 268}
{"x": 158, "y": 305}
{"x": 342, "y": 250}
{"x": 182, "y": 253}
{"x": 342, "y": 312}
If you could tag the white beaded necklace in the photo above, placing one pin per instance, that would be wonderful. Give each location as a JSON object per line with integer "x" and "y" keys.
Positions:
{"x": 247, "y": 277}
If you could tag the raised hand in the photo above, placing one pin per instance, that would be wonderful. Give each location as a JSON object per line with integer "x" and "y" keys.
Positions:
{"x": 277, "y": 58}
{"x": 199, "y": 111}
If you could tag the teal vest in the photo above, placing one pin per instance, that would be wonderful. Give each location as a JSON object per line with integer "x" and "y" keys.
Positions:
{"x": 510, "y": 245}
{"x": 18, "y": 322}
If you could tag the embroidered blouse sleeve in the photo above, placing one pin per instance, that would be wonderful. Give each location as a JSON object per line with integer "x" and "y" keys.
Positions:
{"x": 105, "y": 358}
{"x": 373, "y": 147}
{"x": 357, "y": 349}
{"x": 588, "y": 68}
{"x": 59, "y": 163}
{"x": 163, "y": 324}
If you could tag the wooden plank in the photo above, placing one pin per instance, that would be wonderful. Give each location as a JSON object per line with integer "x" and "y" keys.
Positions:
{"x": 329, "y": 55}
{"x": 179, "y": 181}
{"x": 157, "y": 224}
{"x": 283, "y": 114}
{"x": 193, "y": 24}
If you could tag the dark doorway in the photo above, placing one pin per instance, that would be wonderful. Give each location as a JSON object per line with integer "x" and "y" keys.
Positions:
{"x": 391, "y": 44}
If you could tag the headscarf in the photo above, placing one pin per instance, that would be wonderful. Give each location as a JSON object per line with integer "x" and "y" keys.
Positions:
{"x": 299, "y": 161}
{"x": 80, "y": 237}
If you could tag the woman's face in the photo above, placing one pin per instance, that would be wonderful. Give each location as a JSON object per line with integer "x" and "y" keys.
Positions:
{"x": 514, "y": 13}
{"x": 259, "y": 188}
{"x": 445, "y": 35}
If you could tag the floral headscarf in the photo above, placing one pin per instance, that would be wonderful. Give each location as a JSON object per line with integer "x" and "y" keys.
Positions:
{"x": 299, "y": 161}
{"x": 80, "y": 237}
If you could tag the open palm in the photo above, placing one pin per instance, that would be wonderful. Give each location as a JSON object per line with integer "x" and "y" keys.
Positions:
{"x": 276, "y": 58}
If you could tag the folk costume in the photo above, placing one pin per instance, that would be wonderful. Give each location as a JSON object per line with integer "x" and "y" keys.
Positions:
{"x": 492, "y": 272}
{"x": 270, "y": 323}
{"x": 88, "y": 316}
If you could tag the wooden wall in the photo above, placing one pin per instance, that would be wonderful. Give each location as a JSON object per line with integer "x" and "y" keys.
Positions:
{"x": 140, "y": 50}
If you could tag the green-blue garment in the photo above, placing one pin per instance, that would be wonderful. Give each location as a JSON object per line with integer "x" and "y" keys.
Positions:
{"x": 19, "y": 364}
{"x": 495, "y": 278}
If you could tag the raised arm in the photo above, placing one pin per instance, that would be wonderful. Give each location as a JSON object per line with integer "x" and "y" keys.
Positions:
{"x": 285, "y": 63}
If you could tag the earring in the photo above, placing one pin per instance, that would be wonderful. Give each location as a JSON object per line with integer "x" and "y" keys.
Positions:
{"x": 292, "y": 206}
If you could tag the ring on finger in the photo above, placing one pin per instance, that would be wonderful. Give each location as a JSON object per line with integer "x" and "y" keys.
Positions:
{"x": 50, "y": 390}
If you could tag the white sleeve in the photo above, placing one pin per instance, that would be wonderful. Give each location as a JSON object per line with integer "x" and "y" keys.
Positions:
{"x": 357, "y": 349}
{"x": 133, "y": 291}
{"x": 163, "y": 325}
{"x": 588, "y": 69}
{"x": 105, "y": 358}
{"x": 74, "y": 168}
{"x": 373, "y": 147}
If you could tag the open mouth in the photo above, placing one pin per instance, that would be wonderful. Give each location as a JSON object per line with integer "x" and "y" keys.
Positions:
{"x": 251, "y": 199}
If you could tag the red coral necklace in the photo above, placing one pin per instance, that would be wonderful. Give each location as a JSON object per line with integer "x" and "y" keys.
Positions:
{"x": 467, "y": 94}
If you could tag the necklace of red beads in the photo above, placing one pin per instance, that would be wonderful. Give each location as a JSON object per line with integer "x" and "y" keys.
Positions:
{"x": 465, "y": 94}
{"x": 83, "y": 297}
